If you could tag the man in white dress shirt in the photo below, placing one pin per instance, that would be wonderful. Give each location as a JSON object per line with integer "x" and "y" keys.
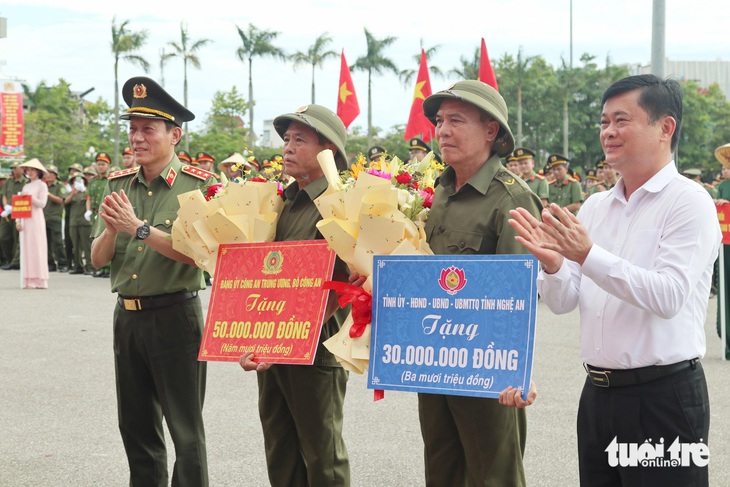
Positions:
{"x": 638, "y": 262}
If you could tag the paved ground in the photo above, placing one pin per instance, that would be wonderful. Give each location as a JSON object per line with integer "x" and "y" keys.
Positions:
{"x": 58, "y": 416}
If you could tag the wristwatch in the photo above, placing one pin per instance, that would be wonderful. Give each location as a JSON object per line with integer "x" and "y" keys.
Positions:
{"x": 143, "y": 232}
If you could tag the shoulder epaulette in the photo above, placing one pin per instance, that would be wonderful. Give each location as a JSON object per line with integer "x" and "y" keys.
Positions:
{"x": 197, "y": 172}
{"x": 123, "y": 172}
{"x": 539, "y": 176}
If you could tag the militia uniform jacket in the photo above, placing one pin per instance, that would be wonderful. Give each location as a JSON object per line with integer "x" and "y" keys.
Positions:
{"x": 13, "y": 187}
{"x": 54, "y": 211}
{"x": 474, "y": 219}
{"x": 298, "y": 221}
{"x": 139, "y": 270}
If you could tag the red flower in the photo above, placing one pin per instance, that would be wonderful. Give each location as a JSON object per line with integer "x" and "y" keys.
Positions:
{"x": 213, "y": 190}
{"x": 403, "y": 178}
{"x": 427, "y": 195}
{"x": 258, "y": 179}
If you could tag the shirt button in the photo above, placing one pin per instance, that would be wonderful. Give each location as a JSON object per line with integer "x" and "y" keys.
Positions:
{"x": 139, "y": 249}
{"x": 442, "y": 229}
{"x": 145, "y": 221}
{"x": 149, "y": 193}
{"x": 462, "y": 245}
{"x": 167, "y": 222}
{"x": 134, "y": 276}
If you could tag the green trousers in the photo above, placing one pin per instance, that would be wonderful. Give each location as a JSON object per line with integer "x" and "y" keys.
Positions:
{"x": 159, "y": 375}
{"x": 300, "y": 408}
{"x": 472, "y": 441}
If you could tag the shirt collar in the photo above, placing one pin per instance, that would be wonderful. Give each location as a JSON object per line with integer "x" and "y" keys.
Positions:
{"x": 169, "y": 174}
{"x": 480, "y": 180}
{"x": 654, "y": 185}
{"x": 313, "y": 189}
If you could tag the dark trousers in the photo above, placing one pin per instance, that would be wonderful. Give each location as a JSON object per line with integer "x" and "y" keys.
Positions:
{"x": 56, "y": 251}
{"x": 301, "y": 408}
{"x": 159, "y": 375}
{"x": 81, "y": 239}
{"x": 676, "y": 406}
{"x": 472, "y": 441}
{"x": 6, "y": 240}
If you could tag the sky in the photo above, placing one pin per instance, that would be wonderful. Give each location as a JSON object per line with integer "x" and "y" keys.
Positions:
{"x": 49, "y": 40}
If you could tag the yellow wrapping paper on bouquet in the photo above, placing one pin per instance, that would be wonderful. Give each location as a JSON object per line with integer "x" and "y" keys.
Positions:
{"x": 358, "y": 222}
{"x": 241, "y": 213}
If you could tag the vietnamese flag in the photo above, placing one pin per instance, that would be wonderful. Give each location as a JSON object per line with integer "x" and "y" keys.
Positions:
{"x": 347, "y": 106}
{"x": 486, "y": 73}
{"x": 418, "y": 124}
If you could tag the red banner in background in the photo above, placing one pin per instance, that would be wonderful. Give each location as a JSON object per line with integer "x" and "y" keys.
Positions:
{"x": 11, "y": 125}
{"x": 723, "y": 214}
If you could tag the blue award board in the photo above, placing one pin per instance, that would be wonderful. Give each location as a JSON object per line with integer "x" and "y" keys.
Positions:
{"x": 458, "y": 325}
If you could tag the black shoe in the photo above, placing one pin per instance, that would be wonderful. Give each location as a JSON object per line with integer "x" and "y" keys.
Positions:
{"x": 76, "y": 271}
{"x": 52, "y": 268}
{"x": 63, "y": 268}
{"x": 98, "y": 274}
{"x": 89, "y": 273}
{"x": 11, "y": 267}
{"x": 106, "y": 274}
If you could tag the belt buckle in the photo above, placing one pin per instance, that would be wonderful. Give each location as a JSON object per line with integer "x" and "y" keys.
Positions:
{"x": 599, "y": 378}
{"x": 132, "y": 304}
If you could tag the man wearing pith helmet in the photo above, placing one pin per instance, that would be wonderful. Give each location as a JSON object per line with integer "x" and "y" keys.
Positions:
{"x": 158, "y": 317}
{"x": 469, "y": 440}
{"x": 300, "y": 406}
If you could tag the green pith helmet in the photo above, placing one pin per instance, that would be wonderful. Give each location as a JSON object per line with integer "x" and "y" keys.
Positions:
{"x": 482, "y": 96}
{"x": 324, "y": 122}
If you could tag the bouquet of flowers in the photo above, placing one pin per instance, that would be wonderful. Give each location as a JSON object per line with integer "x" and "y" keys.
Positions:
{"x": 242, "y": 210}
{"x": 368, "y": 211}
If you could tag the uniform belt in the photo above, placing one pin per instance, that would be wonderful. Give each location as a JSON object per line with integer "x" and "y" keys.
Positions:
{"x": 131, "y": 303}
{"x": 631, "y": 377}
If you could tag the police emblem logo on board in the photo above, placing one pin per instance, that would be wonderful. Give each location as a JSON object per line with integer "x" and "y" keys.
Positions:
{"x": 273, "y": 262}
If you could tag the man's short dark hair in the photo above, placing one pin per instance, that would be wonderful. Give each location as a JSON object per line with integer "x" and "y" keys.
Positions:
{"x": 658, "y": 98}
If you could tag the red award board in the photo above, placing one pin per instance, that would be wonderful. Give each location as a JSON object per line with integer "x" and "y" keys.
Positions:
{"x": 21, "y": 206}
{"x": 267, "y": 299}
{"x": 723, "y": 214}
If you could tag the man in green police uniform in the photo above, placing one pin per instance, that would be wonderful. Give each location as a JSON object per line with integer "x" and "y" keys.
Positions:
{"x": 564, "y": 191}
{"x": 301, "y": 406}
{"x": 417, "y": 150}
{"x": 526, "y": 161}
{"x": 158, "y": 321}
{"x": 9, "y": 237}
{"x": 470, "y": 440}
{"x": 53, "y": 212}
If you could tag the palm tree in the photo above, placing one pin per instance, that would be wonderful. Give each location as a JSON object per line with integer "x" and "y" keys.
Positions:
{"x": 124, "y": 45}
{"x": 187, "y": 53}
{"x": 256, "y": 43}
{"x": 469, "y": 69}
{"x": 315, "y": 55}
{"x": 374, "y": 62}
{"x": 406, "y": 76}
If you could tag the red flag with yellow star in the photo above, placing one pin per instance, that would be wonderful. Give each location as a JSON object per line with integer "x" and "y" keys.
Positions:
{"x": 486, "y": 73}
{"x": 347, "y": 106}
{"x": 418, "y": 124}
